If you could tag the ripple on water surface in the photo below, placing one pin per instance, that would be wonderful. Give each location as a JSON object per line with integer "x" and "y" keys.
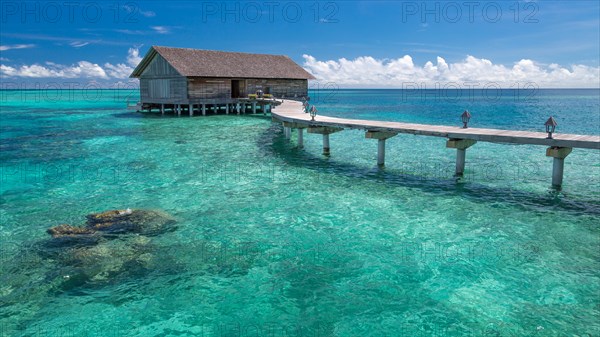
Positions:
{"x": 273, "y": 239}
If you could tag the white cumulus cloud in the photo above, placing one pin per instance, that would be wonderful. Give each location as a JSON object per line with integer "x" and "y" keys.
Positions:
{"x": 368, "y": 72}
{"x": 118, "y": 71}
{"x": 133, "y": 57}
{"x": 82, "y": 69}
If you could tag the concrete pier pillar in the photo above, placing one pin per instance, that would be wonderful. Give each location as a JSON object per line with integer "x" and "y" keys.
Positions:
{"x": 287, "y": 131}
{"x": 178, "y": 109}
{"x": 203, "y": 109}
{"x": 300, "y": 138}
{"x": 381, "y": 137}
{"x": 227, "y": 109}
{"x": 326, "y": 144}
{"x": 558, "y": 168}
{"x": 461, "y": 155}
{"x": 238, "y": 108}
{"x": 461, "y": 146}
{"x": 558, "y": 165}
{"x": 253, "y": 107}
{"x": 325, "y": 131}
{"x": 381, "y": 152}
{"x": 191, "y": 110}
{"x": 162, "y": 109}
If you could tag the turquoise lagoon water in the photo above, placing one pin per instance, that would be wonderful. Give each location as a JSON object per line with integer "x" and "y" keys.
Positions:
{"x": 272, "y": 240}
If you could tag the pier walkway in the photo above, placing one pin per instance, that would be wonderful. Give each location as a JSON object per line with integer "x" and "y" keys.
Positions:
{"x": 292, "y": 116}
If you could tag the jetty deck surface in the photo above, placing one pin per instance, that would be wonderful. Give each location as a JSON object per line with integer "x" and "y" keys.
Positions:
{"x": 291, "y": 111}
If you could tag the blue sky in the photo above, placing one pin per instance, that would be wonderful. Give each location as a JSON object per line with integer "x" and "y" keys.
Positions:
{"x": 341, "y": 41}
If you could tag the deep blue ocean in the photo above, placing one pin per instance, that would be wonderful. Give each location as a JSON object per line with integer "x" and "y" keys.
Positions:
{"x": 272, "y": 240}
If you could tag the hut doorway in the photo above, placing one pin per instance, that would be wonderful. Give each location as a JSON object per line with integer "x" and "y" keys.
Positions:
{"x": 237, "y": 88}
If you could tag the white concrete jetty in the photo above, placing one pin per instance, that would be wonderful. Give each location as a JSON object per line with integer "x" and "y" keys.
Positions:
{"x": 292, "y": 116}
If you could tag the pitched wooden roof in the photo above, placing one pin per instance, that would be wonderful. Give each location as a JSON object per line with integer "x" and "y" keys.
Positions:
{"x": 212, "y": 63}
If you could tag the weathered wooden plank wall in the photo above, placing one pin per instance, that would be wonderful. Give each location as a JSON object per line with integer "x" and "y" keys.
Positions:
{"x": 161, "y": 83}
{"x": 278, "y": 87}
{"x": 159, "y": 68}
{"x": 209, "y": 88}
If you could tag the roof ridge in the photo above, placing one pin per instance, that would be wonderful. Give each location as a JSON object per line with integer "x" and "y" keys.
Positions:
{"x": 219, "y": 51}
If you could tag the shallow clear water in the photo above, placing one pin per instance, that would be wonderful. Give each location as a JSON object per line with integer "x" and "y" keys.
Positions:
{"x": 276, "y": 241}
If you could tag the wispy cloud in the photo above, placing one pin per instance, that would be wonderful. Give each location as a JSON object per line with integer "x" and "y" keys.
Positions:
{"x": 136, "y": 10}
{"x": 161, "y": 29}
{"x": 43, "y": 37}
{"x": 131, "y": 32}
{"x": 16, "y": 46}
{"x": 370, "y": 72}
{"x": 78, "y": 44}
{"x": 153, "y": 30}
{"x": 148, "y": 14}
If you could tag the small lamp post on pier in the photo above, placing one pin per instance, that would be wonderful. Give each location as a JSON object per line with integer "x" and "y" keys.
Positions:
{"x": 313, "y": 113}
{"x": 557, "y": 153}
{"x": 465, "y": 117}
{"x": 550, "y": 127}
